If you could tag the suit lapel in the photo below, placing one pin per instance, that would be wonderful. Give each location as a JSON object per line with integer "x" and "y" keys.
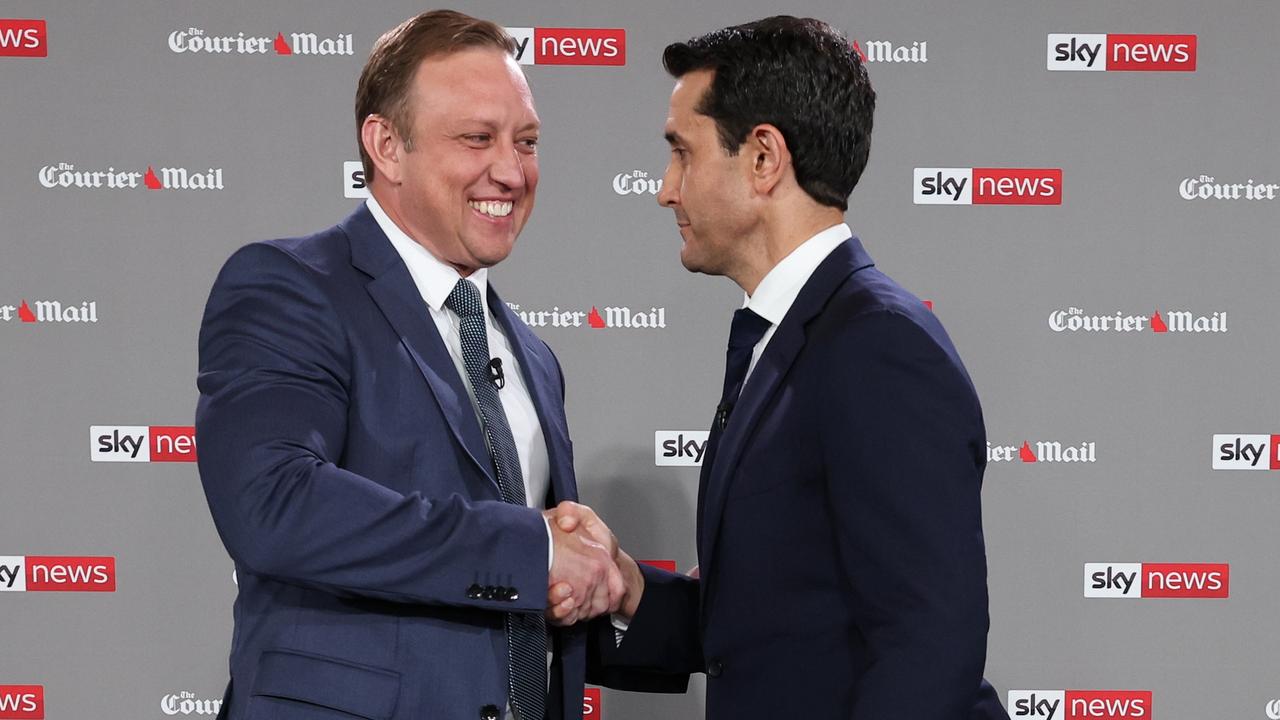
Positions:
{"x": 540, "y": 377}
{"x": 395, "y": 294}
{"x": 769, "y": 373}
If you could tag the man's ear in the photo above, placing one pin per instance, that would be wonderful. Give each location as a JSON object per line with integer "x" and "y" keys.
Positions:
{"x": 383, "y": 145}
{"x": 770, "y": 158}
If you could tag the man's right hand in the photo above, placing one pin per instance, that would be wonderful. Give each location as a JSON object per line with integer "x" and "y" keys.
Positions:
{"x": 584, "y": 579}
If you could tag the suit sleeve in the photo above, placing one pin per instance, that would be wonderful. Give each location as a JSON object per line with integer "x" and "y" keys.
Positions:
{"x": 274, "y": 381}
{"x": 903, "y": 449}
{"x": 662, "y": 644}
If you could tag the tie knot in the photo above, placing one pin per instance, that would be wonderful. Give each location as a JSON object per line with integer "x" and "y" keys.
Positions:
{"x": 464, "y": 299}
{"x": 747, "y": 329}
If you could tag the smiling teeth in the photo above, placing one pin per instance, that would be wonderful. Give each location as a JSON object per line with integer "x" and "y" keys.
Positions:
{"x": 492, "y": 208}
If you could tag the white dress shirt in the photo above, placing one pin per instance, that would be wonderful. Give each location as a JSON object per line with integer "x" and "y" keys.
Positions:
{"x": 777, "y": 292}
{"x": 435, "y": 280}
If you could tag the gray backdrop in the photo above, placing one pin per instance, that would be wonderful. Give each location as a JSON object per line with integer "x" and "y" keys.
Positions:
{"x": 1142, "y": 409}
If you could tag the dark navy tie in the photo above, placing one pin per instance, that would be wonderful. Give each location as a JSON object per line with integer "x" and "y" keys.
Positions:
{"x": 746, "y": 331}
{"x": 526, "y": 632}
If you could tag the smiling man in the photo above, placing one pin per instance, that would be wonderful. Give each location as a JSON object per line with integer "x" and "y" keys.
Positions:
{"x": 379, "y": 434}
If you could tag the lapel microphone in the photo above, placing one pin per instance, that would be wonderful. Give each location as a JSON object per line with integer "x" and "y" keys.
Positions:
{"x": 496, "y": 376}
{"x": 722, "y": 414}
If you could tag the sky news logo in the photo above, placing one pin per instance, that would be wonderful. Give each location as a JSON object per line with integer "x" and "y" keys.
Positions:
{"x": 679, "y": 448}
{"x": 353, "y": 182}
{"x": 1121, "y": 53}
{"x": 591, "y": 704}
{"x": 142, "y": 443}
{"x": 1080, "y": 704}
{"x": 570, "y": 46}
{"x": 1157, "y": 580}
{"x": 24, "y": 38}
{"x": 1246, "y": 452}
{"x": 50, "y": 573}
{"x": 21, "y": 702}
{"x": 988, "y": 186}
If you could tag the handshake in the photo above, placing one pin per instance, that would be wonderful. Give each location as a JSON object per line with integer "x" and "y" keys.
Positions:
{"x": 590, "y": 575}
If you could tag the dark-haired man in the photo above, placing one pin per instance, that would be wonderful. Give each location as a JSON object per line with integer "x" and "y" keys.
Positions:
{"x": 379, "y": 433}
{"x": 843, "y": 573}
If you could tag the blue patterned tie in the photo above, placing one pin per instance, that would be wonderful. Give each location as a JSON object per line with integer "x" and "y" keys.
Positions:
{"x": 526, "y": 632}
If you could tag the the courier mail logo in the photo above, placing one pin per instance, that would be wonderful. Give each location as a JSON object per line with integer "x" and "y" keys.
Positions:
{"x": 142, "y": 443}
{"x": 1246, "y": 452}
{"x": 988, "y": 186}
{"x": 569, "y": 46}
{"x": 48, "y": 573}
{"x": 21, "y": 702}
{"x": 1157, "y": 580}
{"x": 1080, "y": 704}
{"x": 1121, "y": 53}
{"x": 679, "y": 448}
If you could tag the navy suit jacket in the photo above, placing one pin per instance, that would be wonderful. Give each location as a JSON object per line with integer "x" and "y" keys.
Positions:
{"x": 348, "y": 477}
{"x": 843, "y": 573}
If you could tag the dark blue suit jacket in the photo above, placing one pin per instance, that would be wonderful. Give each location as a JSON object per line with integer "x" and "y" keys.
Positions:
{"x": 349, "y": 480}
{"x": 843, "y": 573}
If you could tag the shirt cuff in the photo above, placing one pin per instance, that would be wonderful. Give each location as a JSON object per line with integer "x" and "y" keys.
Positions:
{"x": 551, "y": 545}
{"x": 619, "y": 627}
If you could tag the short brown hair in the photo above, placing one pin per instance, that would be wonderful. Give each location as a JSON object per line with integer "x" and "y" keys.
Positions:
{"x": 388, "y": 74}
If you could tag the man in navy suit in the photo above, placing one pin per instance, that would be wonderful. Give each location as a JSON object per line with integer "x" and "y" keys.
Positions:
{"x": 379, "y": 434}
{"x": 843, "y": 573}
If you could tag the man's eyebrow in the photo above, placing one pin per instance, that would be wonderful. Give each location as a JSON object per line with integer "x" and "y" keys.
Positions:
{"x": 673, "y": 138}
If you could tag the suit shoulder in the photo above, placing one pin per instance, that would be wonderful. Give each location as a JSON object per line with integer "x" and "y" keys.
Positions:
{"x": 870, "y": 304}
{"x": 321, "y": 253}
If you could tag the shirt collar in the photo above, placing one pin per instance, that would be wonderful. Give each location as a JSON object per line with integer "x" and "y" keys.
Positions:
{"x": 435, "y": 279}
{"x": 780, "y": 287}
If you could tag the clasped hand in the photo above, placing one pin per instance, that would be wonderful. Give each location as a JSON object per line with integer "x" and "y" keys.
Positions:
{"x": 587, "y": 576}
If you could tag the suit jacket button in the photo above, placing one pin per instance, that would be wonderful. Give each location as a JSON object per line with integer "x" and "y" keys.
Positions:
{"x": 714, "y": 668}
{"x": 512, "y": 594}
{"x": 488, "y": 593}
{"x": 489, "y": 712}
{"x": 474, "y": 591}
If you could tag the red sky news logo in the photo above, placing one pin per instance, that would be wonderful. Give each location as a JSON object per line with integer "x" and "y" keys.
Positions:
{"x": 48, "y": 573}
{"x": 988, "y": 186}
{"x": 21, "y": 702}
{"x": 1246, "y": 452}
{"x": 1097, "y": 53}
{"x": 1157, "y": 580}
{"x": 1080, "y": 704}
{"x": 591, "y": 704}
{"x": 142, "y": 443}
{"x": 24, "y": 38}
{"x": 570, "y": 46}
{"x": 668, "y": 565}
